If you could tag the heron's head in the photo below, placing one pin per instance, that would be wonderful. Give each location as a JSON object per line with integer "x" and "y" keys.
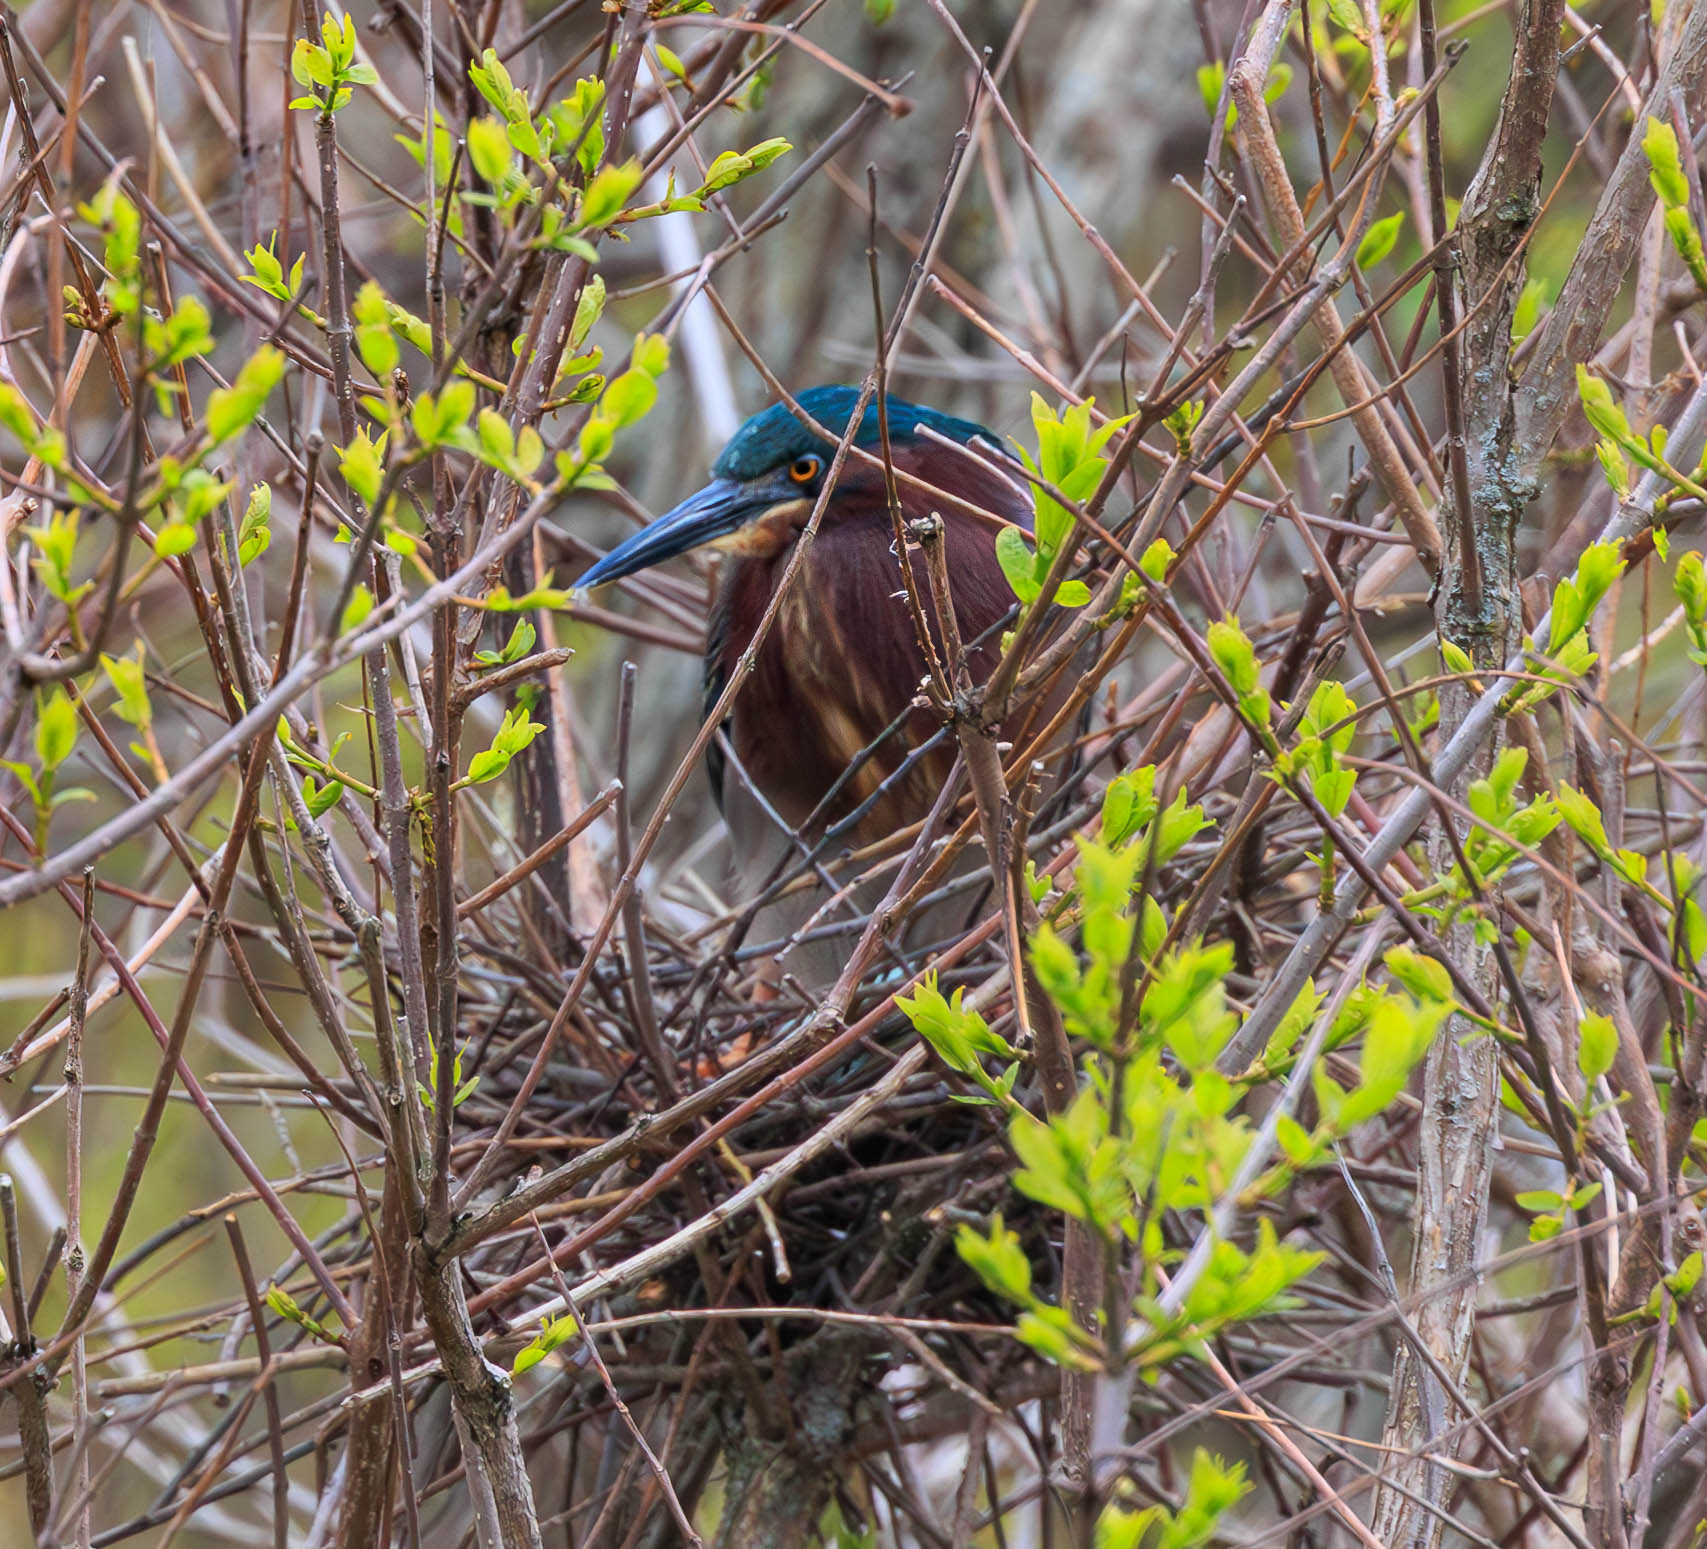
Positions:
{"x": 768, "y": 478}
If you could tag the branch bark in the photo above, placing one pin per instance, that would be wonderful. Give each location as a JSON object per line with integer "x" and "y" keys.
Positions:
{"x": 1476, "y": 606}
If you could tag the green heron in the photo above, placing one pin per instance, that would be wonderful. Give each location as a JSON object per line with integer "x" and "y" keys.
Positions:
{"x": 842, "y": 661}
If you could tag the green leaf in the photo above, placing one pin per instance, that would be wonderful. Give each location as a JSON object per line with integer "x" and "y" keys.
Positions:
{"x": 234, "y": 409}
{"x": 1599, "y": 409}
{"x": 555, "y": 1333}
{"x": 1348, "y": 16}
{"x": 1614, "y": 465}
{"x": 321, "y": 799}
{"x": 1680, "y": 227}
{"x": 607, "y": 194}
{"x": 730, "y": 167}
{"x": 129, "y": 680}
{"x": 1665, "y": 165}
{"x": 173, "y": 539}
{"x": 1211, "y": 78}
{"x": 1536, "y": 294}
{"x": 1018, "y": 562}
{"x": 356, "y": 610}
{"x": 1233, "y": 653}
{"x": 628, "y": 398}
{"x": 56, "y": 730}
{"x": 997, "y": 1259}
{"x": 310, "y": 64}
{"x": 362, "y": 464}
{"x": 15, "y": 414}
{"x": 489, "y": 150}
{"x": 1684, "y": 1279}
{"x": 255, "y": 535}
{"x": 1585, "y": 820}
{"x": 375, "y": 341}
{"x": 588, "y": 308}
{"x": 1575, "y": 599}
{"x": 1379, "y": 241}
{"x": 1597, "y": 1045}
{"x": 1156, "y": 559}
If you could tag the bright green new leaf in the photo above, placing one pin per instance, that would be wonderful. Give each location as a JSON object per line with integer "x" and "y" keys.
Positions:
{"x": 489, "y": 150}
{"x": 998, "y": 1260}
{"x": 233, "y": 410}
{"x": 607, "y": 194}
{"x": 1584, "y": 817}
{"x": 356, "y": 610}
{"x": 173, "y": 539}
{"x": 1599, "y": 409}
{"x": 1379, "y": 240}
{"x": 1597, "y": 1045}
{"x": 1665, "y": 165}
{"x": 629, "y": 397}
{"x": 56, "y": 730}
{"x": 129, "y": 680}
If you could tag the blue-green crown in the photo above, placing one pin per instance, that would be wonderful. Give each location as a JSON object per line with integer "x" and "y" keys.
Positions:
{"x": 774, "y": 437}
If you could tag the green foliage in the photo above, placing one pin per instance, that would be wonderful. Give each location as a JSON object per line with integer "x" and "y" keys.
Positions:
{"x": 1379, "y": 240}
{"x": 362, "y": 464}
{"x": 120, "y": 224}
{"x": 1069, "y": 458}
{"x": 1621, "y": 442}
{"x": 1325, "y": 733}
{"x": 128, "y": 678}
{"x": 962, "y": 1039}
{"x": 517, "y": 155}
{"x": 1504, "y": 828}
{"x": 321, "y": 799}
{"x": 625, "y": 400}
{"x": 1396, "y": 1035}
{"x": 1597, "y": 1045}
{"x": 1536, "y": 293}
{"x": 1214, "y": 1488}
{"x": 514, "y": 733}
{"x": 515, "y": 648}
{"x": 329, "y": 68}
{"x": 461, "y": 1090}
{"x": 1576, "y": 598}
{"x": 1671, "y": 184}
{"x": 232, "y": 410}
{"x": 1551, "y": 1207}
{"x": 1130, "y": 805}
{"x": 285, "y": 1305}
{"x": 1182, "y": 425}
{"x": 55, "y": 740}
{"x": 1690, "y": 580}
{"x": 56, "y": 549}
{"x": 1155, "y": 1128}
{"x": 269, "y": 274}
{"x": 255, "y": 535}
{"x": 356, "y": 610}
{"x": 130, "y": 685}
{"x": 1234, "y": 654}
{"x": 553, "y": 1335}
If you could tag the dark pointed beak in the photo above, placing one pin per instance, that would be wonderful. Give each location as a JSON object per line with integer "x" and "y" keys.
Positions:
{"x": 715, "y": 512}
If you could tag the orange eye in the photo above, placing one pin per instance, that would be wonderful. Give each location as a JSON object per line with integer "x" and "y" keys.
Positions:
{"x": 803, "y": 470}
